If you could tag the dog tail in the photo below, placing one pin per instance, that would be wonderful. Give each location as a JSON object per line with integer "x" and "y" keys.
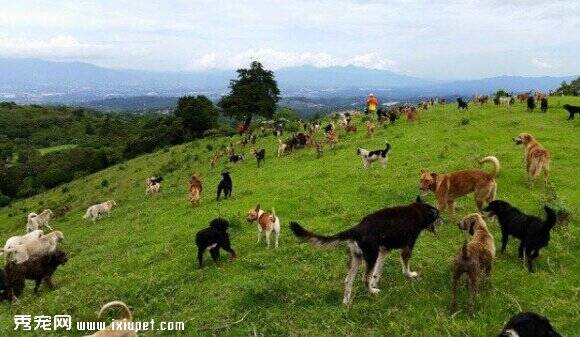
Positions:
{"x": 387, "y": 147}
{"x": 87, "y": 214}
{"x": 321, "y": 240}
{"x": 126, "y": 312}
{"x": 464, "y": 252}
{"x": 550, "y": 218}
{"x": 495, "y": 163}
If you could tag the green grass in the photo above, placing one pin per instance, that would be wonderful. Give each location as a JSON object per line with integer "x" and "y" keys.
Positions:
{"x": 57, "y": 148}
{"x": 144, "y": 253}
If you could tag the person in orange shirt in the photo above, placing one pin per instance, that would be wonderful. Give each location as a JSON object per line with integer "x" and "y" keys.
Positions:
{"x": 372, "y": 104}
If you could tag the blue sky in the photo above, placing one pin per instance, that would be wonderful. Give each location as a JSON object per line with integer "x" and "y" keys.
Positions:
{"x": 432, "y": 39}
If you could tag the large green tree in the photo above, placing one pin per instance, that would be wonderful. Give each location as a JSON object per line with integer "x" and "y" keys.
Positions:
{"x": 254, "y": 92}
{"x": 197, "y": 114}
{"x": 571, "y": 89}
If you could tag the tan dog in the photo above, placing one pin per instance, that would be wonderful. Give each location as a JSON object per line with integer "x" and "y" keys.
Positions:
{"x": 411, "y": 114}
{"x": 474, "y": 258}
{"x": 449, "y": 186}
{"x": 195, "y": 189}
{"x": 332, "y": 138}
{"x": 536, "y": 156}
{"x": 350, "y": 128}
{"x": 282, "y": 148}
{"x": 370, "y": 128}
{"x": 267, "y": 223}
{"x": 117, "y": 328}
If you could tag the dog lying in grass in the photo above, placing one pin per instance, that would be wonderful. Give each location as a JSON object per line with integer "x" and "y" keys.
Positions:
{"x": 533, "y": 232}
{"x": 225, "y": 186}
{"x": 376, "y": 234}
{"x": 117, "y": 328}
{"x": 536, "y": 156}
{"x": 449, "y": 186}
{"x": 474, "y": 259}
{"x": 572, "y": 110}
{"x": 528, "y": 324}
{"x": 267, "y": 223}
{"x": 368, "y": 157}
{"x": 213, "y": 238}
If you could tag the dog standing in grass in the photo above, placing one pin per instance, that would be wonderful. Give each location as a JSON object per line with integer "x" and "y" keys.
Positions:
{"x": 474, "y": 259}
{"x": 536, "y": 156}
{"x": 267, "y": 223}
{"x": 260, "y": 156}
{"x": 368, "y": 157}
{"x": 225, "y": 186}
{"x": 195, "y": 189}
{"x": 213, "y": 238}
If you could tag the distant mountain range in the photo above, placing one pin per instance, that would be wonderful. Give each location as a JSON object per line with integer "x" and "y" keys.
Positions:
{"x": 34, "y": 80}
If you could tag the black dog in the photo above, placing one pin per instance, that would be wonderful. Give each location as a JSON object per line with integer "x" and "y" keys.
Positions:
{"x": 531, "y": 104}
{"x": 213, "y": 238}
{"x": 572, "y": 110}
{"x": 461, "y": 104}
{"x": 384, "y": 230}
{"x": 38, "y": 270}
{"x": 533, "y": 232}
{"x": 234, "y": 158}
{"x": 528, "y": 324}
{"x": 544, "y": 104}
{"x": 225, "y": 185}
{"x": 260, "y": 156}
{"x": 327, "y": 128}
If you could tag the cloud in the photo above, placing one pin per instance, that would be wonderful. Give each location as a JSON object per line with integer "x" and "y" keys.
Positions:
{"x": 60, "y": 46}
{"x": 276, "y": 59}
{"x": 541, "y": 63}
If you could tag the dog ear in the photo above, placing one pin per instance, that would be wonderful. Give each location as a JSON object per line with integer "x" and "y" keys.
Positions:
{"x": 433, "y": 175}
{"x": 471, "y": 226}
{"x": 423, "y": 171}
{"x": 418, "y": 199}
{"x": 257, "y": 207}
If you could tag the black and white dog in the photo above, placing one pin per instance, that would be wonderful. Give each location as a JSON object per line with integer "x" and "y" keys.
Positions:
{"x": 225, "y": 185}
{"x": 213, "y": 238}
{"x": 368, "y": 157}
{"x": 528, "y": 324}
{"x": 260, "y": 155}
{"x": 234, "y": 158}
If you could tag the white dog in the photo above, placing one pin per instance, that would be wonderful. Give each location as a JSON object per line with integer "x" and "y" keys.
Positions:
{"x": 267, "y": 223}
{"x": 368, "y": 157}
{"x": 99, "y": 210}
{"x": 34, "y": 248}
{"x": 37, "y": 221}
{"x": 14, "y": 241}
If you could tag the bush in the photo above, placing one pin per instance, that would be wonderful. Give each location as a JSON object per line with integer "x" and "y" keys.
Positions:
{"x": 4, "y": 200}
{"x": 104, "y": 183}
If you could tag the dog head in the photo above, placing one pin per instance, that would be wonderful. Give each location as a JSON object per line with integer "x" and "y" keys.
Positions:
{"x": 219, "y": 224}
{"x": 471, "y": 223}
{"x": 427, "y": 181}
{"x": 57, "y": 235}
{"x": 358, "y": 151}
{"x": 523, "y": 138}
{"x": 47, "y": 212}
{"x": 225, "y": 174}
{"x": 58, "y": 258}
{"x": 497, "y": 207}
{"x": 433, "y": 218}
{"x": 253, "y": 214}
{"x": 112, "y": 203}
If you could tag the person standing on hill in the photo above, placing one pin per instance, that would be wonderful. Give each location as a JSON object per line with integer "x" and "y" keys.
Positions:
{"x": 372, "y": 104}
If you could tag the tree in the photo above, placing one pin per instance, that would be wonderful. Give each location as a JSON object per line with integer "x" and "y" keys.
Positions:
{"x": 197, "y": 114}
{"x": 255, "y": 91}
{"x": 571, "y": 89}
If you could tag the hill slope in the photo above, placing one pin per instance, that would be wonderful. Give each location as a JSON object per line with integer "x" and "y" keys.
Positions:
{"x": 144, "y": 253}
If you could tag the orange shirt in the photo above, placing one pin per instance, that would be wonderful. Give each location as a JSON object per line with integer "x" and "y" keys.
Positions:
{"x": 372, "y": 103}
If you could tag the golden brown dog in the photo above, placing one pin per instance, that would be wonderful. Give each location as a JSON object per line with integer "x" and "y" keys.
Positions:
{"x": 474, "y": 258}
{"x": 350, "y": 128}
{"x": 332, "y": 138}
{"x": 267, "y": 223}
{"x": 536, "y": 156}
{"x": 195, "y": 189}
{"x": 370, "y": 128}
{"x": 117, "y": 328}
{"x": 411, "y": 114}
{"x": 449, "y": 186}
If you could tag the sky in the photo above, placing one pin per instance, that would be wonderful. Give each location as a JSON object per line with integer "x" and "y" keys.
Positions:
{"x": 434, "y": 39}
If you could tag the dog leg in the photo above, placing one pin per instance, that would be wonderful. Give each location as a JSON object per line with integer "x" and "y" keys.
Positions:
{"x": 355, "y": 259}
{"x": 504, "y": 241}
{"x": 277, "y": 235}
{"x": 370, "y": 255}
{"x": 215, "y": 254}
{"x": 259, "y": 236}
{"x": 268, "y": 239}
{"x": 405, "y": 257}
{"x": 530, "y": 256}
{"x": 200, "y": 256}
{"x": 454, "y": 284}
{"x": 472, "y": 289}
{"x": 378, "y": 270}
{"x": 521, "y": 250}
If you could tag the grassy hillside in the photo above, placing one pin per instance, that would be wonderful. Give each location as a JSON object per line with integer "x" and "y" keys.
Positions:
{"x": 144, "y": 253}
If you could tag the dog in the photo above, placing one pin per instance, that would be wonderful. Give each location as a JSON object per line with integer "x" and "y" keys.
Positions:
{"x": 572, "y": 110}
{"x": 376, "y": 234}
{"x": 350, "y": 128}
{"x": 536, "y": 156}
{"x": 282, "y": 148}
{"x": 235, "y": 158}
{"x": 153, "y": 185}
{"x": 461, "y": 104}
{"x": 267, "y": 223}
{"x": 474, "y": 258}
{"x": 117, "y": 328}
{"x": 533, "y": 232}
{"x": 544, "y": 104}
{"x": 97, "y": 211}
{"x": 38, "y": 269}
{"x": 213, "y": 238}
{"x": 449, "y": 186}
{"x": 368, "y": 157}
{"x": 332, "y": 139}
{"x": 260, "y": 156}
{"x": 411, "y": 114}
{"x": 531, "y": 103}
{"x": 225, "y": 186}
{"x": 370, "y": 128}
{"x": 195, "y": 189}
{"x": 528, "y": 324}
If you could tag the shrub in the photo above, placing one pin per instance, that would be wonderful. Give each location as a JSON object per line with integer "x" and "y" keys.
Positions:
{"x": 104, "y": 183}
{"x": 4, "y": 200}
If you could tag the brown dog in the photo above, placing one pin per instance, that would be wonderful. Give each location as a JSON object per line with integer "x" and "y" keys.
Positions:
{"x": 449, "y": 186}
{"x": 350, "y": 128}
{"x": 475, "y": 258}
{"x": 267, "y": 223}
{"x": 117, "y": 328}
{"x": 536, "y": 156}
{"x": 411, "y": 114}
{"x": 195, "y": 189}
{"x": 370, "y": 128}
{"x": 332, "y": 138}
